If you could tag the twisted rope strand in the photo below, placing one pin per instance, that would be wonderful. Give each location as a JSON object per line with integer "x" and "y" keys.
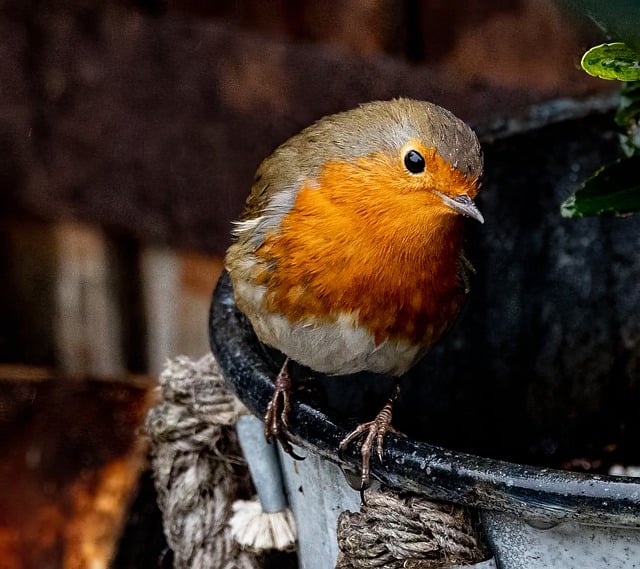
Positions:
{"x": 400, "y": 532}
{"x": 197, "y": 464}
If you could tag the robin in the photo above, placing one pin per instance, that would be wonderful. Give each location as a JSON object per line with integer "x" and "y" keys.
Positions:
{"x": 349, "y": 254}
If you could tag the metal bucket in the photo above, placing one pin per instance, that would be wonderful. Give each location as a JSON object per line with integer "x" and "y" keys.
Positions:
{"x": 539, "y": 378}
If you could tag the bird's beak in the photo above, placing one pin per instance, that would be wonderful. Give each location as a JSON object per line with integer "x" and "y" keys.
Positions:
{"x": 463, "y": 204}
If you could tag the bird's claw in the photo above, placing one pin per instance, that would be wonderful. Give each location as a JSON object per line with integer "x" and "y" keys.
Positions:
{"x": 375, "y": 431}
{"x": 276, "y": 426}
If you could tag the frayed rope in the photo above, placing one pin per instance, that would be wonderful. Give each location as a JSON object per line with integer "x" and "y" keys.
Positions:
{"x": 199, "y": 469}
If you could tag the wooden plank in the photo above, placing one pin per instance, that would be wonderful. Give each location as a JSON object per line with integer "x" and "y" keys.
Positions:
{"x": 177, "y": 288}
{"x": 160, "y": 270}
{"x": 199, "y": 274}
{"x": 87, "y": 314}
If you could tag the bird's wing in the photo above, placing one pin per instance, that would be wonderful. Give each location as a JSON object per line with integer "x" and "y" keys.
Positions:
{"x": 275, "y": 187}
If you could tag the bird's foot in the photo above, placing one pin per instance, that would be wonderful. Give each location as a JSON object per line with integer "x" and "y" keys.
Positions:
{"x": 375, "y": 431}
{"x": 276, "y": 418}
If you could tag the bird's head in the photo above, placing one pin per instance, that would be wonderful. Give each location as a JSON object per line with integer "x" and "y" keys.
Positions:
{"x": 402, "y": 166}
{"x": 402, "y": 157}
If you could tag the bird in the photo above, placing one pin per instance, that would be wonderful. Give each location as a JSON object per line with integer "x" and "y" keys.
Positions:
{"x": 349, "y": 254}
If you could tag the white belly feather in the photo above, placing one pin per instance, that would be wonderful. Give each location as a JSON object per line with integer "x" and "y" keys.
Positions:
{"x": 333, "y": 347}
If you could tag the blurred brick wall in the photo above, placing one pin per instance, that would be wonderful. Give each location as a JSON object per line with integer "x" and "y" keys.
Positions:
{"x": 150, "y": 119}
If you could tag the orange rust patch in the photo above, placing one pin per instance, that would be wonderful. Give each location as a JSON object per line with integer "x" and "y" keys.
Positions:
{"x": 369, "y": 238}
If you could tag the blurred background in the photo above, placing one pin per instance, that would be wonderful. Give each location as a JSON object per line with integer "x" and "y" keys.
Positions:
{"x": 129, "y": 136}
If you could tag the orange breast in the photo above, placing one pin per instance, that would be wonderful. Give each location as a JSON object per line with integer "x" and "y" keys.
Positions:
{"x": 364, "y": 243}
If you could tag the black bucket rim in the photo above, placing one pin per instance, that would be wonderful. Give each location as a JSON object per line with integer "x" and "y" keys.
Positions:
{"x": 535, "y": 493}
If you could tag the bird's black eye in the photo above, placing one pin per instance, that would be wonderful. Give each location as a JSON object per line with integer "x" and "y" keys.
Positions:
{"x": 414, "y": 162}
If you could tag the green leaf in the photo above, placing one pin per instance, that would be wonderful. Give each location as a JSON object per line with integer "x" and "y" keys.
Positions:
{"x": 613, "y": 189}
{"x": 612, "y": 61}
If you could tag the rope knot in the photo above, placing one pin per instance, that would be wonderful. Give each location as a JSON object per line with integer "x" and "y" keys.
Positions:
{"x": 407, "y": 531}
